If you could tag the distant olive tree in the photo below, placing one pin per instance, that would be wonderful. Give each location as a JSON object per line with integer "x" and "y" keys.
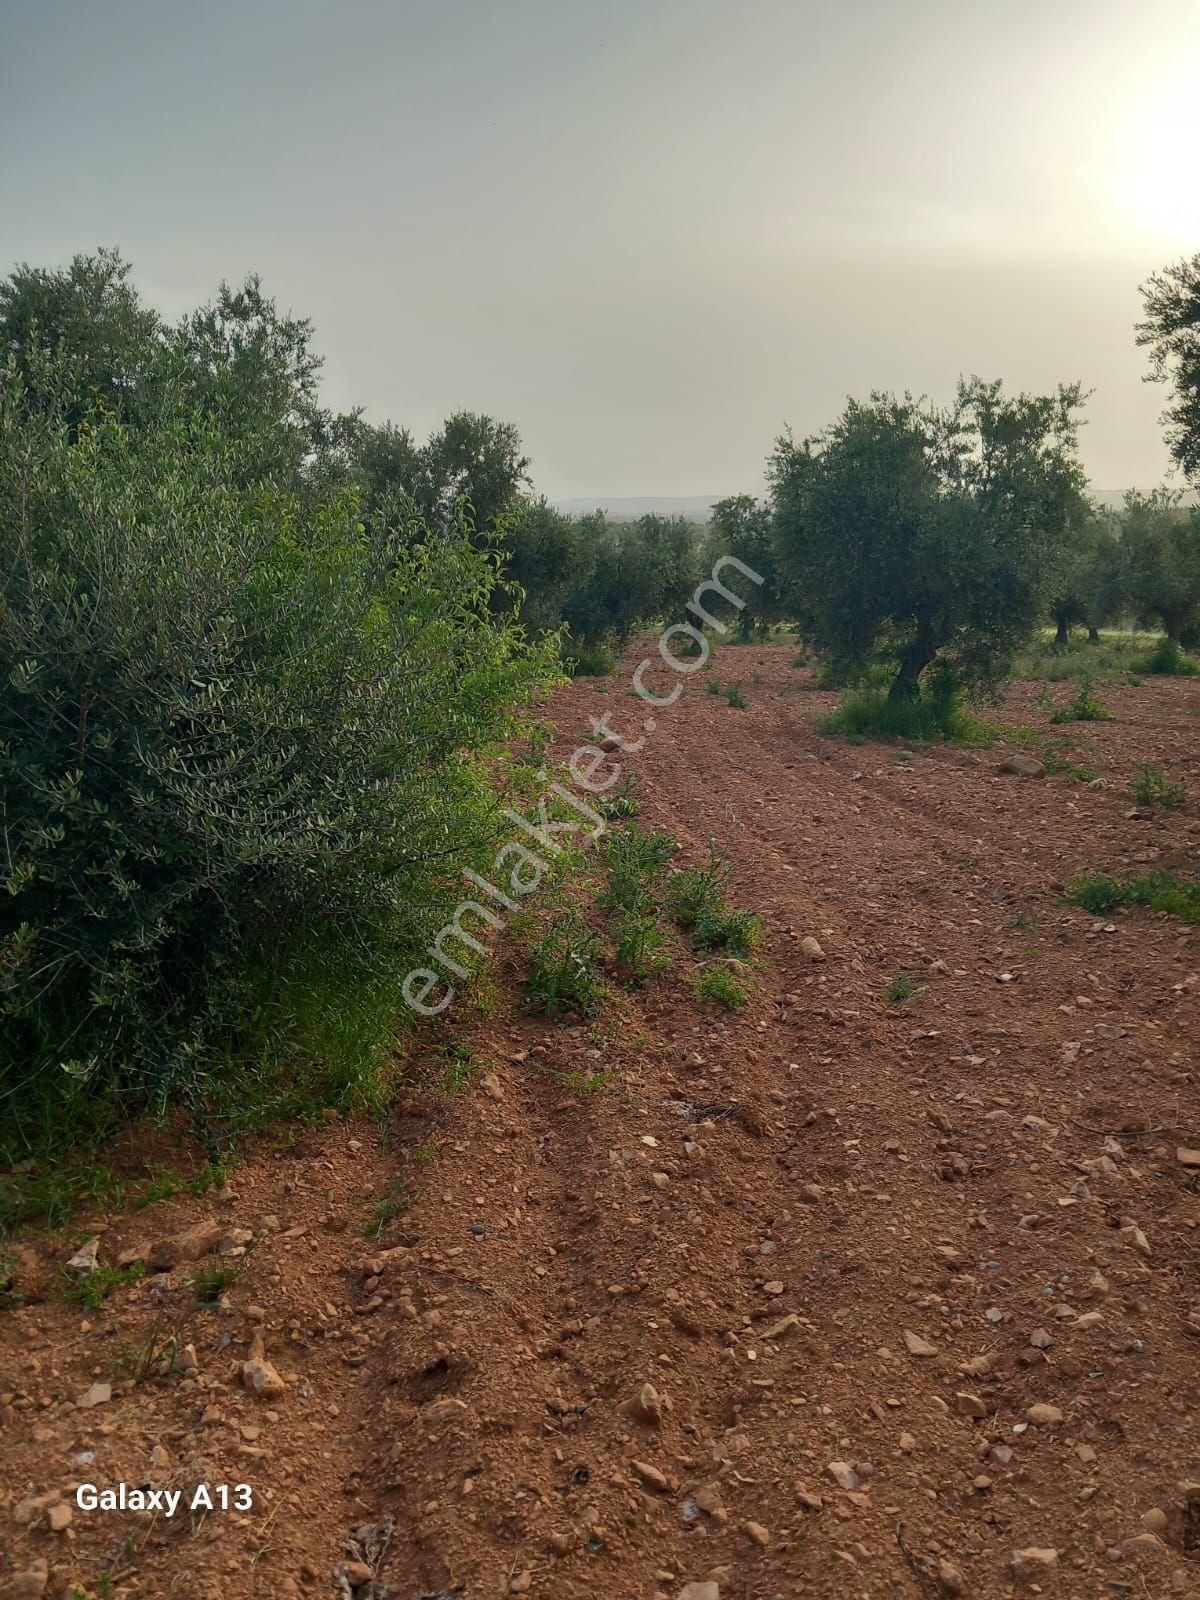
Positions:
{"x": 740, "y": 526}
{"x": 546, "y": 553}
{"x": 907, "y": 531}
{"x": 1091, "y": 587}
{"x": 641, "y": 572}
{"x": 1160, "y": 556}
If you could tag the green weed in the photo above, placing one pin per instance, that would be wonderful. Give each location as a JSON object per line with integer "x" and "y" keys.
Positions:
{"x": 632, "y": 861}
{"x": 641, "y": 948}
{"x": 930, "y": 718}
{"x": 589, "y": 660}
{"x": 901, "y": 989}
{"x": 720, "y": 984}
{"x": 1084, "y": 708}
{"x": 211, "y": 1282}
{"x": 388, "y": 1208}
{"x": 1160, "y": 891}
{"x": 462, "y": 1069}
{"x": 1167, "y": 660}
{"x": 1154, "y": 786}
{"x": 94, "y": 1289}
{"x": 563, "y": 969}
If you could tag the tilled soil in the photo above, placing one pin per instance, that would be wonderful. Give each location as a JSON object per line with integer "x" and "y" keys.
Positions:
{"x": 839, "y": 1296}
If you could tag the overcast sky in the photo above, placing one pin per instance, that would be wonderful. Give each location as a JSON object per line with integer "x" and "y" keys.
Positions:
{"x": 649, "y": 232}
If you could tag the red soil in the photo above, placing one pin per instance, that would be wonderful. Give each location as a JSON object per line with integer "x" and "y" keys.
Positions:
{"x": 767, "y": 1216}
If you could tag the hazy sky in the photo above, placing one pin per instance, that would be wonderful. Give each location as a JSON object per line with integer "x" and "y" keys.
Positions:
{"x": 650, "y": 232}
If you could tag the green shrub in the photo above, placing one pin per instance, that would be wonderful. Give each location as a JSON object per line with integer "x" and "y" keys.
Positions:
{"x": 1167, "y": 660}
{"x": 719, "y": 983}
{"x": 1154, "y": 786}
{"x": 564, "y": 969}
{"x": 695, "y": 899}
{"x": 588, "y": 659}
{"x": 735, "y": 932}
{"x": 736, "y": 698}
{"x": 1084, "y": 708}
{"x": 239, "y": 765}
{"x": 696, "y": 893}
{"x": 619, "y": 803}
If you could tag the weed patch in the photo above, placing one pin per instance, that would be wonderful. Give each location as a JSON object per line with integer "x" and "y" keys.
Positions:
{"x": 641, "y": 948}
{"x": 1154, "y": 786}
{"x": 1084, "y": 708}
{"x": 94, "y": 1289}
{"x": 632, "y": 862}
{"x": 564, "y": 969}
{"x": 1160, "y": 891}
{"x": 718, "y": 983}
{"x": 210, "y": 1283}
{"x": 927, "y": 719}
{"x": 1167, "y": 660}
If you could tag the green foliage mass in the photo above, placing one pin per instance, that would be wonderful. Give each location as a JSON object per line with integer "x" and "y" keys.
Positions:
{"x": 1171, "y": 333}
{"x": 1160, "y": 555}
{"x": 243, "y": 735}
{"x": 905, "y": 530}
{"x": 740, "y": 526}
{"x": 640, "y": 572}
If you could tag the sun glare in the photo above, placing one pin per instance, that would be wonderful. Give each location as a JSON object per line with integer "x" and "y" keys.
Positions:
{"x": 1160, "y": 157}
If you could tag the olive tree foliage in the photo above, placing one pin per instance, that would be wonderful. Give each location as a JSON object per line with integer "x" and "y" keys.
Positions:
{"x": 909, "y": 531}
{"x": 740, "y": 526}
{"x": 547, "y": 555}
{"x": 1170, "y": 331}
{"x": 78, "y": 339}
{"x": 640, "y": 572}
{"x": 1090, "y": 589}
{"x": 1160, "y": 560}
{"x": 244, "y": 738}
{"x": 471, "y": 469}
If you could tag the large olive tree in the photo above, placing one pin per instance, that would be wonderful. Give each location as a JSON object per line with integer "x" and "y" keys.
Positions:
{"x": 905, "y": 530}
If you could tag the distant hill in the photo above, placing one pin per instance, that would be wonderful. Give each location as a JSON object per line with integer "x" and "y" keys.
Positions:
{"x": 696, "y": 507}
{"x": 624, "y": 508}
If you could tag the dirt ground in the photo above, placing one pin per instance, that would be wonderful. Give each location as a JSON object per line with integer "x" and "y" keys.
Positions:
{"x": 838, "y": 1296}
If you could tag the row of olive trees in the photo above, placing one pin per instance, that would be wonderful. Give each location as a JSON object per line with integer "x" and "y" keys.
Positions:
{"x": 907, "y": 533}
{"x": 247, "y": 712}
{"x": 1140, "y": 563}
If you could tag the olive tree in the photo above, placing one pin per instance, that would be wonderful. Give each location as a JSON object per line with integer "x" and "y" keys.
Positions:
{"x": 905, "y": 530}
{"x": 1160, "y": 548}
{"x": 1171, "y": 333}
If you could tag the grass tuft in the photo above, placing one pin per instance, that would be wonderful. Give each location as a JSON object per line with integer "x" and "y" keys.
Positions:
{"x": 1160, "y": 891}
{"x": 1154, "y": 786}
{"x": 564, "y": 969}
{"x": 720, "y": 984}
{"x": 1084, "y": 708}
